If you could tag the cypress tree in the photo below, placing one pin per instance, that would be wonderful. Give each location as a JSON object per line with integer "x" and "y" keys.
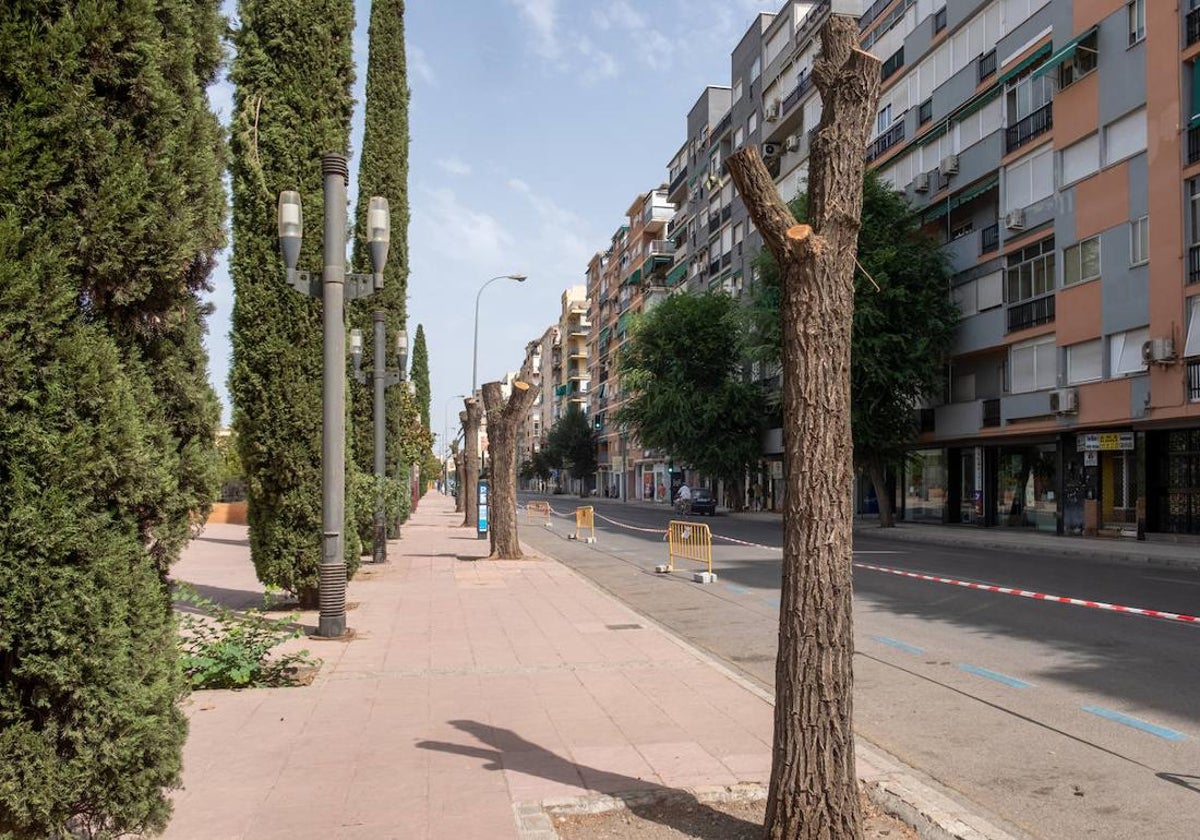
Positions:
{"x": 383, "y": 170}
{"x": 110, "y": 212}
{"x": 292, "y": 74}
{"x": 430, "y": 466}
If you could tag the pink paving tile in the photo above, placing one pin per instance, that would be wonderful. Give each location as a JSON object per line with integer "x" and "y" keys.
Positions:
{"x": 681, "y": 764}
{"x": 614, "y": 769}
{"x": 749, "y": 767}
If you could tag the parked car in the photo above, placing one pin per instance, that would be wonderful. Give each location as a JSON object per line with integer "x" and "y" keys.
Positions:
{"x": 703, "y": 501}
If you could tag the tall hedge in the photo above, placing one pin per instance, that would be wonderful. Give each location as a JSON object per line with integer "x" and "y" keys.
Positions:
{"x": 383, "y": 170}
{"x": 292, "y": 73}
{"x": 111, "y": 211}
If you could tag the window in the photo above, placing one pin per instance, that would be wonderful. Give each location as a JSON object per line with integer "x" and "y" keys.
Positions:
{"x": 1029, "y": 180}
{"x": 1033, "y": 365}
{"x": 1194, "y": 211}
{"x": 1085, "y": 362}
{"x": 1080, "y": 159}
{"x": 1125, "y": 137}
{"x": 964, "y": 298}
{"x": 1139, "y": 241}
{"x": 1125, "y": 352}
{"x": 925, "y": 112}
{"x": 737, "y": 90}
{"x": 752, "y": 123}
{"x": 987, "y": 65}
{"x": 884, "y": 119}
{"x": 1027, "y": 95}
{"x": 962, "y": 389}
{"x": 1081, "y": 62}
{"x": 755, "y": 69}
{"x": 1191, "y": 345}
{"x": 1030, "y": 272}
{"x": 739, "y": 137}
{"x": 894, "y": 62}
{"x": 1137, "y": 20}
{"x": 939, "y": 20}
{"x": 990, "y": 291}
{"x": 1082, "y": 261}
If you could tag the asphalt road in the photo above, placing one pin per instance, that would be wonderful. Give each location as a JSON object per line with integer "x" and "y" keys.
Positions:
{"x": 1060, "y": 721}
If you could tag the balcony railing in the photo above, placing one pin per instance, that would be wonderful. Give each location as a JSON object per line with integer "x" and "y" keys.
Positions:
{"x": 989, "y": 239}
{"x": 726, "y": 259}
{"x": 1037, "y": 123}
{"x": 726, "y": 212}
{"x": 873, "y": 12}
{"x": 1193, "y": 382}
{"x": 1193, "y": 26}
{"x": 1193, "y": 144}
{"x": 1193, "y": 264}
{"x": 714, "y": 266}
{"x": 885, "y": 141}
{"x": 1031, "y": 313}
{"x": 661, "y": 247}
{"x": 790, "y": 101}
{"x": 677, "y": 182}
{"x": 714, "y": 222}
{"x": 991, "y": 413}
{"x": 987, "y": 65}
{"x": 722, "y": 126}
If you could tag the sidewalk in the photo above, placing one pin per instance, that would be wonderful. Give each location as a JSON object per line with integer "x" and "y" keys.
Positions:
{"x": 473, "y": 693}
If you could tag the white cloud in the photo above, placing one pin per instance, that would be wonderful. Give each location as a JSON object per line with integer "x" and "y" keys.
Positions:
{"x": 460, "y": 234}
{"x": 420, "y": 66}
{"x": 455, "y": 166}
{"x": 543, "y": 16}
{"x": 601, "y": 65}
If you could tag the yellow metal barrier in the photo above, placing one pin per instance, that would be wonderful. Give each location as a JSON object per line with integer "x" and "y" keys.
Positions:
{"x": 585, "y": 520}
{"x": 538, "y": 512}
{"x": 689, "y": 541}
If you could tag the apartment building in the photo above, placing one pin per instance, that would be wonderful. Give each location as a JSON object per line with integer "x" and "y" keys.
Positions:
{"x": 574, "y": 377}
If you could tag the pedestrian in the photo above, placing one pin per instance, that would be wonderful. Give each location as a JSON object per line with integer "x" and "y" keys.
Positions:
{"x": 757, "y": 491}
{"x": 662, "y": 492}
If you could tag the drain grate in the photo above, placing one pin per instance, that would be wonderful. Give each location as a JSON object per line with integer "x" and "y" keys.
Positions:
{"x": 623, "y": 626}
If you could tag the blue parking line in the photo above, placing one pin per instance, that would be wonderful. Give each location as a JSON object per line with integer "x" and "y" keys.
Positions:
{"x": 899, "y": 645}
{"x": 1136, "y": 723}
{"x": 738, "y": 588}
{"x": 1013, "y": 682}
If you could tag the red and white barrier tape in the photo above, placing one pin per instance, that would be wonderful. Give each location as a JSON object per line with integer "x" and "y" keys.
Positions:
{"x": 1037, "y": 596}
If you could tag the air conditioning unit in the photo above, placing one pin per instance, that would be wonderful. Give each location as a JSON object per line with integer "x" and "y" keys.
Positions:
{"x": 770, "y": 150}
{"x": 1159, "y": 350}
{"x": 1064, "y": 400}
{"x": 921, "y": 182}
{"x": 771, "y": 112}
{"x": 1015, "y": 220}
{"x": 792, "y": 143}
{"x": 948, "y": 166}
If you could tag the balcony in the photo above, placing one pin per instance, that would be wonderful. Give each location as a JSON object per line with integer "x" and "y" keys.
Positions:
{"x": 1193, "y": 26}
{"x": 1031, "y": 313}
{"x": 714, "y": 222}
{"x": 1193, "y": 144}
{"x": 1193, "y": 275}
{"x": 721, "y": 126}
{"x": 1193, "y": 380}
{"x": 989, "y": 239}
{"x": 792, "y": 99}
{"x": 1034, "y": 125}
{"x": 678, "y": 181}
{"x": 726, "y": 212}
{"x": 987, "y": 65}
{"x": 714, "y": 266}
{"x": 726, "y": 259}
{"x": 885, "y": 141}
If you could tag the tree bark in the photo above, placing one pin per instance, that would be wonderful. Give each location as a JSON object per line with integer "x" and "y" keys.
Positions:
{"x": 503, "y": 419}
{"x": 883, "y": 495}
{"x": 458, "y": 469}
{"x": 470, "y": 477}
{"x": 813, "y": 792}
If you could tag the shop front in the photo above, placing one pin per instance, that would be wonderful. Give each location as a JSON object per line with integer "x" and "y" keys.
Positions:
{"x": 1173, "y": 500}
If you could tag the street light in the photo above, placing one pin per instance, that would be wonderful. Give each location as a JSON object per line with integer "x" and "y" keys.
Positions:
{"x": 520, "y": 278}
{"x": 333, "y": 286}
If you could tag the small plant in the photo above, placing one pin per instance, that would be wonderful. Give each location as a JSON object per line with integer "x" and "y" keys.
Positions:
{"x": 223, "y": 648}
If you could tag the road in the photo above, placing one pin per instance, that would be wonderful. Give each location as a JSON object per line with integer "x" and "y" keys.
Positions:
{"x": 1061, "y": 721}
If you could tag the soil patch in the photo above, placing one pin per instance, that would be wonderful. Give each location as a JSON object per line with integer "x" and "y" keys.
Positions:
{"x": 739, "y": 820}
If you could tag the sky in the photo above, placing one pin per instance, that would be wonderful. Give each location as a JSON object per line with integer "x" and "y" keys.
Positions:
{"x": 534, "y": 124}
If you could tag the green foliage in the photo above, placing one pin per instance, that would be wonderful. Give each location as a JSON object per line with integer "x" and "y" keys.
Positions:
{"x": 686, "y": 394}
{"x": 420, "y": 374}
{"x": 111, "y": 211}
{"x": 226, "y": 649}
{"x": 538, "y": 466}
{"x": 383, "y": 170}
{"x": 902, "y": 331}
{"x": 397, "y": 505}
{"x": 292, "y": 76}
{"x": 570, "y": 444}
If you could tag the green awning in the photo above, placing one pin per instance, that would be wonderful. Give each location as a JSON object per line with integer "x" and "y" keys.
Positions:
{"x": 676, "y": 274}
{"x": 623, "y": 323}
{"x": 940, "y": 209}
{"x": 934, "y": 133}
{"x": 1064, "y": 54}
{"x": 633, "y": 279}
{"x": 1037, "y": 56}
{"x": 1194, "y": 116}
{"x": 604, "y": 333}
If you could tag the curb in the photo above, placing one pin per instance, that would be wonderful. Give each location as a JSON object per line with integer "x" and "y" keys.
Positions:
{"x": 888, "y": 782}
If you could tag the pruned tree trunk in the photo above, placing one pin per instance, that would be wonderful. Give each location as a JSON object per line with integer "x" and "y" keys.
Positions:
{"x": 470, "y": 478}
{"x": 503, "y": 419}
{"x": 883, "y": 493}
{"x": 813, "y": 791}
{"x": 458, "y": 469}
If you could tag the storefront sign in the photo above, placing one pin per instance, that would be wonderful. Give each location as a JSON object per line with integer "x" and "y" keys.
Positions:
{"x": 1104, "y": 442}
{"x": 1091, "y": 459}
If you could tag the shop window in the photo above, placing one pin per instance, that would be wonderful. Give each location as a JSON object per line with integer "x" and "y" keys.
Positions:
{"x": 925, "y": 485}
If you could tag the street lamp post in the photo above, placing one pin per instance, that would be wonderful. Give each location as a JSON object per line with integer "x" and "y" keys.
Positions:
{"x": 382, "y": 379}
{"x": 520, "y": 278}
{"x": 334, "y": 286}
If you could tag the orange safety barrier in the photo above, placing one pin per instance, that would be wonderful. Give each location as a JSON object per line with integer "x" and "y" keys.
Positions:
{"x": 585, "y": 520}
{"x": 538, "y": 512}
{"x": 689, "y": 541}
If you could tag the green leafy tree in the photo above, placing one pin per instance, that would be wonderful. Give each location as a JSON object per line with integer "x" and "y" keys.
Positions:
{"x": 571, "y": 445}
{"x": 430, "y": 466}
{"x": 383, "y": 171}
{"x": 111, "y": 210}
{"x": 687, "y": 397}
{"x": 902, "y": 330}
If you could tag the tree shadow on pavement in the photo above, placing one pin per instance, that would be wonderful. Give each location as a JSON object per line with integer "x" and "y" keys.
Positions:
{"x": 509, "y": 751}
